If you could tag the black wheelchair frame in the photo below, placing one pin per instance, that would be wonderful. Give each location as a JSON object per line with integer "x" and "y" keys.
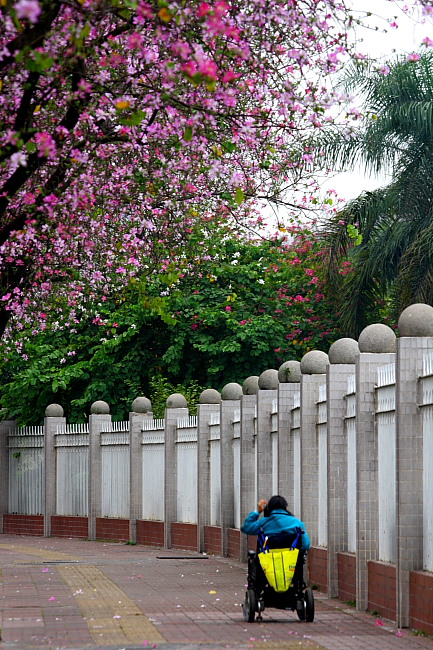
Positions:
{"x": 260, "y": 594}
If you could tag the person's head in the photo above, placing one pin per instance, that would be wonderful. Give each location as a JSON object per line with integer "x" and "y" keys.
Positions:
{"x": 276, "y": 502}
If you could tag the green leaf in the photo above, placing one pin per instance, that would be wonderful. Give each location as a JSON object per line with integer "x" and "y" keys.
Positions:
{"x": 133, "y": 120}
{"x": 187, "y": 136}
{"x": 239, "y": 196}
{"x": 229, "y": 146}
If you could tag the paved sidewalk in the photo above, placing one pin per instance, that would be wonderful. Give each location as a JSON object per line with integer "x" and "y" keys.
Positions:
{"x": 71, "y": 594}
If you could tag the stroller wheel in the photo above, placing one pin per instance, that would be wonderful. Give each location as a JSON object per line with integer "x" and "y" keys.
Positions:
{"x": 249, "y": 606}
{"x": 309, "y": 606}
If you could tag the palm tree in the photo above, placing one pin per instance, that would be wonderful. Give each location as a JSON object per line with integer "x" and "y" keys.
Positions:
{"x": 395, "y": 134}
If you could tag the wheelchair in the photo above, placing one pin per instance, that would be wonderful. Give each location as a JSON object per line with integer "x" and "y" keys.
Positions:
{"x": 260, "y": 595}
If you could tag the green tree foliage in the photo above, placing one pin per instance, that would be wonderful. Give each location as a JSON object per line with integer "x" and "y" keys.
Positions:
{"x": 231, "y": 310}
{"x": 388, "y": 233}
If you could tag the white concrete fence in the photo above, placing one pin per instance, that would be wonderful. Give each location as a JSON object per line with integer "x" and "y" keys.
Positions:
{"x": 346, "y": 437}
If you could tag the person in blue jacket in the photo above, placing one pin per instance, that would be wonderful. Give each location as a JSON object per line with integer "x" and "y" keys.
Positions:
{"x": 276, "y": 524}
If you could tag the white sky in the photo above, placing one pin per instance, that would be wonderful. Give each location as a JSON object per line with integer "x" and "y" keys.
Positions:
{"x": 405, "y": 39}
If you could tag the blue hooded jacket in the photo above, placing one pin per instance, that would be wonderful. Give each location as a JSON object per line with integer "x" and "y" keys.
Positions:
{"x": 279, "y": 521}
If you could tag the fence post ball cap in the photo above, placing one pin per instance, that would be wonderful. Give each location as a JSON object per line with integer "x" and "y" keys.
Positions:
{"x": 176, "y": 401}
{"x": 231, "y": 391}
{"x": 314, "y": 362}
{"x": 210, "y": 396}
{"x": 377, "y": 338}
{"x": 141, "y": 405}
{"x": 100, "y": 408}
{"x": 268, "y": 380}
{"x": 416, "y": 320}
{"x": 344, "y": 350}
{"x": 54, "y": 411}
{"x": 289, "y": 372}
{"x": 251, "y": 385}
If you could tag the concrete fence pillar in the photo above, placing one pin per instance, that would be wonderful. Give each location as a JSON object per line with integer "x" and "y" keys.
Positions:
{"x": 248, "y": 489}
{"x": 342, "y": 357}
{"x": 99, "y": 420}
{"x": 289, "y": 377}
{"x": 53, "y": 419}
{"x": 416, "y": 339}
{"x": 5, "y": 428}
{"x": 141, "y": 408}
{"x": 176, "y": 408}
{"x": 313, "y": 368}
{"x": 377, "y": 348}
{"x": 266, "y": 396}
{"x": 209, "y": 404}
{"x": 230, "y": 396}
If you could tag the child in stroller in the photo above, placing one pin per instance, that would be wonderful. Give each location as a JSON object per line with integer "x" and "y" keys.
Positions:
{"x": 283, "y": 585}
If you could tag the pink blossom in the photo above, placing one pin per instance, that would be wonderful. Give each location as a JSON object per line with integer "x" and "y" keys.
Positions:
{"x": 428, "y": 42}
{"x": 203, "y": 9}
{"x": 228, "y": 308}
{"x": 28, "y": 10}
{"x": 413, "y": 57}
{"x": 384, "y": 69}
{"x": 45, "y": 144}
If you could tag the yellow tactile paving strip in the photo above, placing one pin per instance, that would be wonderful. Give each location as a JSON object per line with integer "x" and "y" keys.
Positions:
{"x": 44, "y": 554}
{"x": 112, "y": 617}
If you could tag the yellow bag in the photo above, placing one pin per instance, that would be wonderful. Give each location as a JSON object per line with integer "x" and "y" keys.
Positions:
{"x": 279, "y": 566}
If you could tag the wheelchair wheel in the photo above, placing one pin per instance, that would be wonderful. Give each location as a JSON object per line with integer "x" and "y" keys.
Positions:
{"x": 309, "y": 606}
{"x": 301, "y": 608}
{"x": 249, "y": 606}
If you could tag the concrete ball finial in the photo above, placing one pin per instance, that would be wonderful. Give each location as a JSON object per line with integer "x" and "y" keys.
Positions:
{"x": 377, "y": 338}
{"x": 314, "y": 363}
{"x": 176, "y": 401}
{"x": 141, "y": 405}
{"x": 100, "y": 408}
{"x": 416, "y": 320}
{"x": 343, "y": 351}
{"x": 54, "y": 411}
{"x": 251, "y": 385}
{"x": 231, "y": 391}
{"x": 268, "y": 380}
{"x": 210, "y": 396}
{"x": 289, "y": 372}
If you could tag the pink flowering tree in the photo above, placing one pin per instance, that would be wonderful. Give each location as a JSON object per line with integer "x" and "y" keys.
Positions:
{"x": 125, "y": 122}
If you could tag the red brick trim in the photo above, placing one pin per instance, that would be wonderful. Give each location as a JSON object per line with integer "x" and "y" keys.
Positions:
{"x": 116, "y": 530}
{"x": 234, "y": 544}
{"x": 150, "y": 533}
{"x": 213, "y": 540}
{"x": 318, "y": 567}
{"x": 382, "y": 589}
{"x": 68, "y": 526}
{"x": 346, "y": 576}
{"x": 184, "y": 536}
{"x": 23, "y": 525}
{"x": 421, "y": 601}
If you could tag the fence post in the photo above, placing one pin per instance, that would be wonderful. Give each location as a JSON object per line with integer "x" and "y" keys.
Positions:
{"x": 416, "y": 338}
{"x": 342, "y": 357}
{"x": 141, "y": 408}
{"x": 248, "y": 495}
{"x": 99, "y": 418}
{"x": 210, "y": 401}
{"x": 268, "y": 387}
{"x": 289, "y": 376}
{"x": 376, "y": 344}
{"x": 176, "y": 407}
{"x": 313, "y": 368}
{"x": 53, "y": 418}
{"x": 5, "y": 427}
{"x": 230, "y": 396}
